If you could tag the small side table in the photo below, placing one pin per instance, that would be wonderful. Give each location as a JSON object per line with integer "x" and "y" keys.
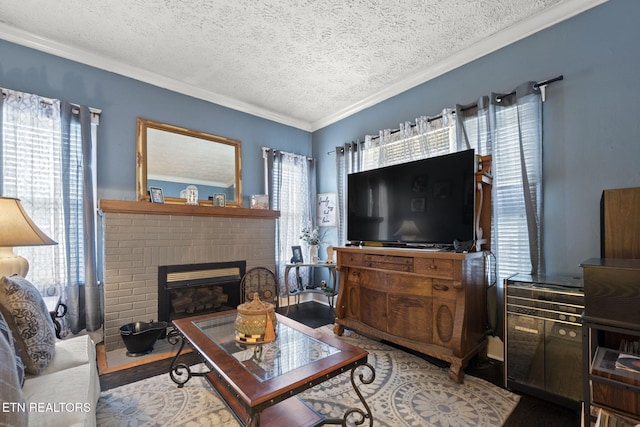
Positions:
{"x": 295, "y": 291}
{"x": 57, "y": 310}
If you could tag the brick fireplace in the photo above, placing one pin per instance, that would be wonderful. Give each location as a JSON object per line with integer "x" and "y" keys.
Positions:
{"x": 137, "y": 243}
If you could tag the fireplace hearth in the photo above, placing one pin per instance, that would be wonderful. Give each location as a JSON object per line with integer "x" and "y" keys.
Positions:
{"x": 193, "y": 289}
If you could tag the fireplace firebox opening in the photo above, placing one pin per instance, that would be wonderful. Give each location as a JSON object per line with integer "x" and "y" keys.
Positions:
{"x": 193, "y": 289}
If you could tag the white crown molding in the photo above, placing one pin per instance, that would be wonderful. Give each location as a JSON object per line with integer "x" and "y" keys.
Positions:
{"x": 33, "y": 41}
{"x": 545, "y": 19}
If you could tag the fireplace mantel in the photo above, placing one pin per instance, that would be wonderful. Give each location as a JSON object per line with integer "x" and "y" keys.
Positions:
{"x": 125, "y": 206}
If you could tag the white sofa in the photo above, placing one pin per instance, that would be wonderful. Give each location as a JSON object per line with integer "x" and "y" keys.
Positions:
{"x": 44, "y": 381}
{"x": 67, "y": 392}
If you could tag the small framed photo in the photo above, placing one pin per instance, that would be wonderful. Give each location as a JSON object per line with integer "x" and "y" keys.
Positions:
{"x": 219, "y": 200}
{"x": 156, "y": 195}
{"x": 417, "y": 205}
{"x": 297, "y": 255}
{"x": 260, "y": 201}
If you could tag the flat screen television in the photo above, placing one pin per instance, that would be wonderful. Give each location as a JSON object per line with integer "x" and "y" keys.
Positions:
{"x": 427, "y": 202}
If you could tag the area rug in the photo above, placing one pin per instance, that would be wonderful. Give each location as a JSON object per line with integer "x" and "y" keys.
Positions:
{"x": 407, "y": 391}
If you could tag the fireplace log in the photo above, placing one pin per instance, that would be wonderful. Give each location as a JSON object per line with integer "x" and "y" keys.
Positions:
{"x": 192, "y": 300}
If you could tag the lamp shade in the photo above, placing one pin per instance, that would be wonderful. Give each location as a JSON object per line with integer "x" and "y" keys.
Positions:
{"x": 17, "y": 229}
{"x": 408, "y": 230}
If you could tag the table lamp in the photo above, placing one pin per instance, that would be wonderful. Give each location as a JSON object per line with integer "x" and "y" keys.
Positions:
{"x": 17, "y": 229}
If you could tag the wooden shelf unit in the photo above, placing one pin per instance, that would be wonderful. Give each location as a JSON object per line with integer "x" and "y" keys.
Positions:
{"x": 612, "y": 298}
{"x": 620, "y": 215}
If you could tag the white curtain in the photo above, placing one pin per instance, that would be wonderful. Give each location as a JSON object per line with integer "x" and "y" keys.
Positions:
{"x": 292, "y": 191}
{"x": 47, "y": 156}
{"x": 348, "y": 160}
{"x": 32, "y": 172}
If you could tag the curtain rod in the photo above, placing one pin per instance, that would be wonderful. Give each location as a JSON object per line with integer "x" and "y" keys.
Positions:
{"x": 439, "y": 116}
{"x": 93, "y": 111}
{"x": 468, "y": 107}
{"x": 538, "y": 85}
{"x": 265, "y": 153}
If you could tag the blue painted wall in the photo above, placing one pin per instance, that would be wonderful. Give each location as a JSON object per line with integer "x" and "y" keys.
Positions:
{"x": 122, "y": 99}
{"x": 591, "y": 119}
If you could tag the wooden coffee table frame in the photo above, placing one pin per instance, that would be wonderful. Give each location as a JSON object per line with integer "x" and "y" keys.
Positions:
{"x": 273, "y": 401}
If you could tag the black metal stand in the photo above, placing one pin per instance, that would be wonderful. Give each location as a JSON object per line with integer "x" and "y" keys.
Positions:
{"x": 61, "y": 310}
{"x": 356, "y": 416}
{"x": 180, "y": 373}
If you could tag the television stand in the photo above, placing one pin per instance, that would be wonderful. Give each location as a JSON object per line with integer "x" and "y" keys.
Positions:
{"x": 431, "y": 302}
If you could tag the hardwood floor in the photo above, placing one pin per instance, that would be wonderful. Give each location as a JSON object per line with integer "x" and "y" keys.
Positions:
{"x": 530, "y": 411}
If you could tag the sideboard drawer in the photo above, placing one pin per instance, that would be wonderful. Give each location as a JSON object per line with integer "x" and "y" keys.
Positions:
{"x": 350, "y": 259}
{"x": 434, "y": 267}
{"x": 389, "y": 262}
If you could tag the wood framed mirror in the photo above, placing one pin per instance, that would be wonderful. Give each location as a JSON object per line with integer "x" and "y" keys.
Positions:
{"x": 173, "y": 158}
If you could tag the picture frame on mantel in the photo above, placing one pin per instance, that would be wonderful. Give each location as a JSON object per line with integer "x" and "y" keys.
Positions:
{"x": 260, "y": 201}
{"x": 156, "y": 195}
{"x": 219, "y": 200}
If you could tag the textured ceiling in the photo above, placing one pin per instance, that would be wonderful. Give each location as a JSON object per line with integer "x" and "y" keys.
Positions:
{"x": 300, "y": 62}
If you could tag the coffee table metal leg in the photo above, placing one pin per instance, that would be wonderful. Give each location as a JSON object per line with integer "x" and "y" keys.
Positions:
{"x": 180, "y": 373}
{"x": 357, "y": 415}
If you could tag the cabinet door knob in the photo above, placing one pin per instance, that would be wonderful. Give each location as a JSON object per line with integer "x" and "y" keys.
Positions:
{"x": 438, "y": 287}
{"x": 433, "y": 266}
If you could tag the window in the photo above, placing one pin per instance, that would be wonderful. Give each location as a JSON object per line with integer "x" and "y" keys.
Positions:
{"x": 42, "y": 165}
{"x": 293, "y": 191}
{"x": 517, "y": 187}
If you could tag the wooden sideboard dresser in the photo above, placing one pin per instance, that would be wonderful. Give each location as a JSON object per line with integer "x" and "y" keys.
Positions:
{"x": 431, "y": 302}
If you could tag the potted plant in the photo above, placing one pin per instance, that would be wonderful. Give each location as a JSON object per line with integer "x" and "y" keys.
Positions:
{"x": 311, "y": 235}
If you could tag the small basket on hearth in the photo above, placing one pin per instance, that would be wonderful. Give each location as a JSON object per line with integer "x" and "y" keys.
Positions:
{"x": 256, "y": 322}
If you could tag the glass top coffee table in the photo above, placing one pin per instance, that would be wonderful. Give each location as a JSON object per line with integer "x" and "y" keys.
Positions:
{"x": 259, "y": 382}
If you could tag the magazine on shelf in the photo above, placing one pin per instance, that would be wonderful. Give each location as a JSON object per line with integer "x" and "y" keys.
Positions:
{"x": 628, "y": 362}
{"x": 605, "y": 363}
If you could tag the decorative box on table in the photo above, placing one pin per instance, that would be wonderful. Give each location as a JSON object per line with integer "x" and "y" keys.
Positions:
{"x": 256, "y": 322}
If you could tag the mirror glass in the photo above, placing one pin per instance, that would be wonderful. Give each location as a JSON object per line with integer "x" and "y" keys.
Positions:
{"x": 174, "y": 158}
